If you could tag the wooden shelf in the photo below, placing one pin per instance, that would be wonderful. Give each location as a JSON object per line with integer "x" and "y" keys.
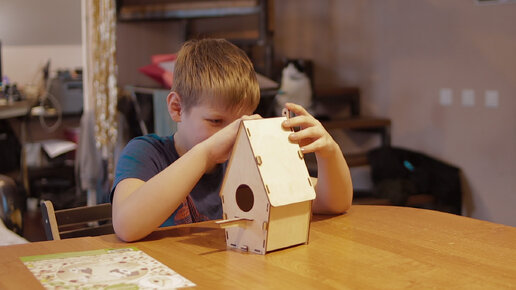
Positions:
{"x": 379, "y": 126}
{"x": 356, "y": 159}
{"x": 238, "y": 37}
{"x": 353, "y": 160}
{"x": 189, "y": 12}
{"x": 15, "y": 109}
{"x": 357, "y": 123}
{"x": 181, "y": 9}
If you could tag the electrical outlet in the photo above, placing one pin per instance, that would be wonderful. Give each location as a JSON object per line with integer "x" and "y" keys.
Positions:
{"x": 468, "y": 98}
{"x": 445, "y": 97}
{"x": 491, "y": 99}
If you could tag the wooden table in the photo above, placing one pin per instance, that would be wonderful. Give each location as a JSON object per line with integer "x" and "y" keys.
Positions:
{"x": 16, "y": 109}
{"x": 368, "y": 247}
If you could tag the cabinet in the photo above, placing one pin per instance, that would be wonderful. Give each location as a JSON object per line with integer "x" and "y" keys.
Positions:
{"x": 245, "y": 23}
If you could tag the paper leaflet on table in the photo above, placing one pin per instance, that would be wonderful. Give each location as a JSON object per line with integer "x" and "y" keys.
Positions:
{"x": 115, "y": 268}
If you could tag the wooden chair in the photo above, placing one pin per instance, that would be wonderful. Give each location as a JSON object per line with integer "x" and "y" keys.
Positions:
{"x": 76, "y": 222}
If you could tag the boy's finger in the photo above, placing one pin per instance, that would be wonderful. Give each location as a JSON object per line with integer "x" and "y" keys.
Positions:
{"x": 296, "y": 109}
{"x": 309, "y": 133}
{"x": 300, "y": 121}
{"x": 312, "y": 147}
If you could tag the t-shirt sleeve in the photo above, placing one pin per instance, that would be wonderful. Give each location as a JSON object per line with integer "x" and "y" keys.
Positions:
{"x": 139, "y": 159}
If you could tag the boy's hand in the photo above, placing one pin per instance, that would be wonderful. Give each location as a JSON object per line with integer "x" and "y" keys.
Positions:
{"x": 220, "y": 144}
{"x": 312, "y": 137}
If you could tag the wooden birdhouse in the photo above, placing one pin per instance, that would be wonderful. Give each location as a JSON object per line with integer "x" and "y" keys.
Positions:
{"x": 267, "y": 192}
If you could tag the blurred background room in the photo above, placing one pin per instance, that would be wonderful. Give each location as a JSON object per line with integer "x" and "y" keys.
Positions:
{"x": 420, "y": 95}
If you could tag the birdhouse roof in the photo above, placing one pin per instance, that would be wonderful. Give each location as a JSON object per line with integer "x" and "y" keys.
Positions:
{"x": 280, "y": 162}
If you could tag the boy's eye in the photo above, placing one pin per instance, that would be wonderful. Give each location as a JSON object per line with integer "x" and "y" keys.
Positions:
{"x": 215, "y": 121}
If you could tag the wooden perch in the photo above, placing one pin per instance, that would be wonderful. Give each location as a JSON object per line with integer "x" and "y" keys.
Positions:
{"x": 234, "y": 222}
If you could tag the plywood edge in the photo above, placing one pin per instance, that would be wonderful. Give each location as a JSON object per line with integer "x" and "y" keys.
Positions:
{"x": 231, "y": 161}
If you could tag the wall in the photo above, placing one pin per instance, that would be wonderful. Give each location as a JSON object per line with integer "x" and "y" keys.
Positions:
{"x": 401, "y": 53}
{"x": 423, "y": 46}
{"x": 33, "y": 32}
{"x": 336, "y": 35}
{"x": 138, "y": 41}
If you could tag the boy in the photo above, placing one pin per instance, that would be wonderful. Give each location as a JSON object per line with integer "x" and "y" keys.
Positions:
{"x": 163, "y": 181}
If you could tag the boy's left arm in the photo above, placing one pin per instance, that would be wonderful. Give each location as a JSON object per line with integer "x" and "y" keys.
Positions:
{"x": 334, "y": 189}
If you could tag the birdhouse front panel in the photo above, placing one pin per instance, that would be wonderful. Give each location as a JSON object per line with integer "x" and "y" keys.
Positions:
{"x": 243, "y": 196}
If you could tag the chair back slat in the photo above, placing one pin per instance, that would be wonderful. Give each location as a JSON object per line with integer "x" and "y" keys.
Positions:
{"x": 88, "y": 232}
{"x": 76, "y": 222}
{"x": 83, "y": 214}
{"x": 49, "y": 220}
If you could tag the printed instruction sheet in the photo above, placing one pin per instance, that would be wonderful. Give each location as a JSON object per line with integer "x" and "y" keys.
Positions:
{"x": 124, "y": 268}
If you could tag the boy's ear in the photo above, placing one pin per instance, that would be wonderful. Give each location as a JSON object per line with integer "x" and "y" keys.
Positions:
{"x": 174, "y": 106}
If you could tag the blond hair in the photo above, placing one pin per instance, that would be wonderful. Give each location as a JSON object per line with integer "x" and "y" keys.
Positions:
{"x": 217, "y": 72}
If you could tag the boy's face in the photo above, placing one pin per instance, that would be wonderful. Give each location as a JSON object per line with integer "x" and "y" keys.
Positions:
{"x": 202, "y": 121}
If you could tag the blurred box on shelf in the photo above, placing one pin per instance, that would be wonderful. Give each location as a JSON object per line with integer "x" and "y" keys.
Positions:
{"x": 67, "y": 89}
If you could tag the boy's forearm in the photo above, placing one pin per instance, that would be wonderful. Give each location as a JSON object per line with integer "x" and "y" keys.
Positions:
{"x": 334, "y": 188}
{"x": 142, "y": 211}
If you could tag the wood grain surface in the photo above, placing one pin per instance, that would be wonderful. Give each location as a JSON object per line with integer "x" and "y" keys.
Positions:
{"x": 368, "y": 247}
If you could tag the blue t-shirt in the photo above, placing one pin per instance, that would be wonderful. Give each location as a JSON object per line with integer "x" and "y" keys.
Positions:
{"x": 146, "y": 156}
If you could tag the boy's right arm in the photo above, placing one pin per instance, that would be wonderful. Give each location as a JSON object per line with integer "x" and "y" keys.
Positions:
{"x": 141, "y": 207}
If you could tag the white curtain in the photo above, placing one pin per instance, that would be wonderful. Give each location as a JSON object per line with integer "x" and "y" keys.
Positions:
{"x": 100, "y": 94}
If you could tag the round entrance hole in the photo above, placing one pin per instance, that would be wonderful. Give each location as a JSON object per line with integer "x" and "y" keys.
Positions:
{"x": 244, "y": 197}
